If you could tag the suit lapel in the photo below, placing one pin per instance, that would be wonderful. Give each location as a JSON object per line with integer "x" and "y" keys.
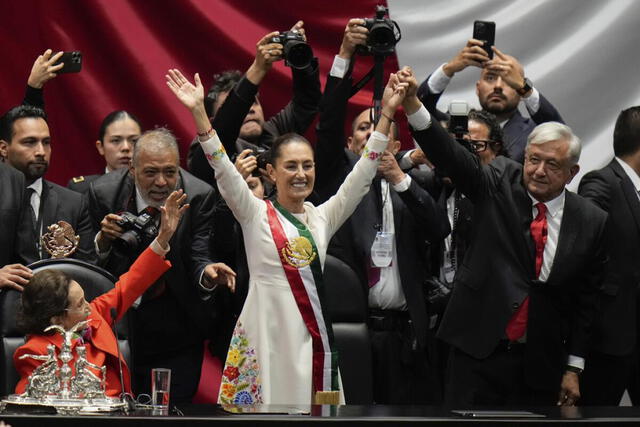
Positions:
{"x": 524, "y": 239}
{"x": 628, "y": 190}
{"x": 569, "y": 229}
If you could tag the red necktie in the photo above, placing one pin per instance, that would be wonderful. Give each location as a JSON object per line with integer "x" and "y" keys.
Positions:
{"x": 374, "y": 275}
{"x": 518, "y": 323}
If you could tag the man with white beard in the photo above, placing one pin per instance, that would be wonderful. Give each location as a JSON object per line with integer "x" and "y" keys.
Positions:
{"x": 172, "y": 320}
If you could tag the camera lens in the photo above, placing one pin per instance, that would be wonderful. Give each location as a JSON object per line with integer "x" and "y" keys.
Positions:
{"x": 298, "y": 54}
{"x": 127, "y": 242}
{"x": 381, "y": 37}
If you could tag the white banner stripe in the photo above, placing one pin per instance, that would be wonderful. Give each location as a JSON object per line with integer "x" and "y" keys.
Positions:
{"x": 312, "y": 292}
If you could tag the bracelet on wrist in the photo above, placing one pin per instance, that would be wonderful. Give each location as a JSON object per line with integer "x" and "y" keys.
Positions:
{"x": 391, "y": 119}
{"x": 206, "y": 133}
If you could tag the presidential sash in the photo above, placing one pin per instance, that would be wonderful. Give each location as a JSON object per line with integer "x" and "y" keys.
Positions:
{"x": 301, "y": 263}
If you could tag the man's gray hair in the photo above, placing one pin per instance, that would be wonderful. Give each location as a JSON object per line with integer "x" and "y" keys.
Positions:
{"x": 553, "y": 131}
{"x": 159, "y": 140}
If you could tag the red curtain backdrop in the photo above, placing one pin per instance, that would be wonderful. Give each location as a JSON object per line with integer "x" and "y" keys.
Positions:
{"x": 129, "y": 45}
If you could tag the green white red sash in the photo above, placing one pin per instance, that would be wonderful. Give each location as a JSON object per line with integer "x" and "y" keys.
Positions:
{"x": 301, "y": 263}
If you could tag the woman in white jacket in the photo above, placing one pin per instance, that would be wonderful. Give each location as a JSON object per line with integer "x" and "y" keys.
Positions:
{"x": 282, "y": 348}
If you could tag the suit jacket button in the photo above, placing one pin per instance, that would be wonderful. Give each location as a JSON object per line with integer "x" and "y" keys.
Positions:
{"x": 515, "y": 305}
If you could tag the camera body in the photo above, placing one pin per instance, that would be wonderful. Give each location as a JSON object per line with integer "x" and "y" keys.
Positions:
{"x": 384, "y": 34}
{"x": 263, "y": 156}
{"x": 139, "y": 230}
{"x": 295, "y": 50}
{"x": 459, "y": 123}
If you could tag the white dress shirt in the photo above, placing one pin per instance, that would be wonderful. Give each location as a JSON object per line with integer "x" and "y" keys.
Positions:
{"x": 439, "y": 81}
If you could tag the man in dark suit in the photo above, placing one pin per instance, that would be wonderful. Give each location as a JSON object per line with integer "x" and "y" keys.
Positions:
{"x": 233, "y": 94}
{"x": 611, "y": 365}
{"x": 501, "y": 87}
{"x": 26, "y": 144}
{"x": 396, "y": 208}
{"x": 14, "y": 275}
{"x": 171, "y": 321}
{"x": 525, "y": 293}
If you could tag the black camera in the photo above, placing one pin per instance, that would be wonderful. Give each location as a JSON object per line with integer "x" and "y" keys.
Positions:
{"x": 138, "y": 230}
{"x": 263, "y": 156}
{"x": 295, "y": 50}
{"x": 384, "y": 34}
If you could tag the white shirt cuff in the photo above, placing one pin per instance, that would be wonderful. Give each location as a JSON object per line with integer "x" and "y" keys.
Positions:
{"x": 403, "y": 185}
{"x": 438, "y": 81}
{"x": 202, "y": 286}
{"x": 420, "y": 120}
{"x": 158, "y": 249}
{"x": 576, "y": 361}
{"x": 101, "y": 254}
{"x": 406, "y": 162}
{"x": 339, "y": 67}
{"x": 532, "y": 102}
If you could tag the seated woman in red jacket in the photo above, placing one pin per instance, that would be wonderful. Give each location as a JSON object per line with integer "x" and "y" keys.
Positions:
{"x": 53, "y": 298}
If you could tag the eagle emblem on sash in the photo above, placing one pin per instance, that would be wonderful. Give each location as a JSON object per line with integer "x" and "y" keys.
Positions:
{"x": 298, "y": 252}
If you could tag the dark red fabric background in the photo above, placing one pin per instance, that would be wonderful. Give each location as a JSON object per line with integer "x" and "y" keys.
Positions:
{"x": 129, "y": 45}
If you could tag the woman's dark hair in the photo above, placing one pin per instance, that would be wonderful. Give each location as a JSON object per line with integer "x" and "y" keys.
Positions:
{"x": 281, "y": 141}
{"x": 46, "y": 295}
{"x": 114, "y": 116}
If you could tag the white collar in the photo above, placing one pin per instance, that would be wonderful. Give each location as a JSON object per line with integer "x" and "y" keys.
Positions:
{"x": 37, "y": 186}
{"x": 554, "y": 205}
{"x": 633, "y": 175}
{"x": 140, "y": 202}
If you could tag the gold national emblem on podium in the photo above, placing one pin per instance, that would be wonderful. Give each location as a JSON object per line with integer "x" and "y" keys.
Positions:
{"x": 61, "y": 240}
{"x": 299, "y": 252}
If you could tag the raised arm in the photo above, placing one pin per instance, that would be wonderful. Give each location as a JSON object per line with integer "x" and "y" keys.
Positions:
{"x": 148, "y": 267}
{"x": 440, "y": 148}
{"x": 332, "y": 165}
{"x": 230, "y": 116}
{"x": 231, "y": 184}
{"x": 340, "y": 207}
{"x": 42, "y": 71}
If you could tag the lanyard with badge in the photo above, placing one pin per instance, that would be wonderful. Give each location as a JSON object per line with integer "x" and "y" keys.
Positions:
{"x": 382, "y": 247}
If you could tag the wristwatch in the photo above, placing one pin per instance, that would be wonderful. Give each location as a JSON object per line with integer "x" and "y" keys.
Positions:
{"x": 573, "y": 369}
{"x": 526, "y": 88}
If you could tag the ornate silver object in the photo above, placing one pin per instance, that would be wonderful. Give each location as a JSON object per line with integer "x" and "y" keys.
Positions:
{"x": 61, "y": 240}
{"x": 53, "y": 383}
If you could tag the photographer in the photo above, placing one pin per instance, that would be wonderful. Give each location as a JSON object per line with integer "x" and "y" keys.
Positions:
{"x": 235, "y": 110}
{"x": 500, "y": 88}
{"x": 397, "y": 205}
{"x": 171, "y": 321}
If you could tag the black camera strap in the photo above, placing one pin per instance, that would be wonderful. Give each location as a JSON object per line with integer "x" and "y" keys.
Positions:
{"x": 376, "y": 72}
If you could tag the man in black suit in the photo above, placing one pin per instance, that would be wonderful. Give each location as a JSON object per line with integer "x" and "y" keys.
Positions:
{"x": 171, "y": 321}
{"x": 26, "y": 144}
{"x": 15, "y": 275}
{"x": 396, "y": 208}
{"x": 611, "y": 365}
{"x": 233, "y": 94}
{"x": 501, "y": 87}
{"x": 525, "y": 293}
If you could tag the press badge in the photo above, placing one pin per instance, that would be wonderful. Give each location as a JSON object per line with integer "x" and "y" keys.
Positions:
{"x": 382, "y": 249}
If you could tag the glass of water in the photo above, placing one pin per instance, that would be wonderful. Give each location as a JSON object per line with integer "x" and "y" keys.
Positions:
{"x": 160, "y": 388}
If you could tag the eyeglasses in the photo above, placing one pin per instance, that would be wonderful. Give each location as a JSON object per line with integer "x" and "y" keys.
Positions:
{"x": 480, "y": 145}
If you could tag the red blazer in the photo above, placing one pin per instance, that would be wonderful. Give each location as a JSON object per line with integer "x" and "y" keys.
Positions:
{"x": 101, "y": 349}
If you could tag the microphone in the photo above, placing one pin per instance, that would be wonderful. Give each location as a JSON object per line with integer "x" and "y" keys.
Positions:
{"x": 126, "y": 398}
